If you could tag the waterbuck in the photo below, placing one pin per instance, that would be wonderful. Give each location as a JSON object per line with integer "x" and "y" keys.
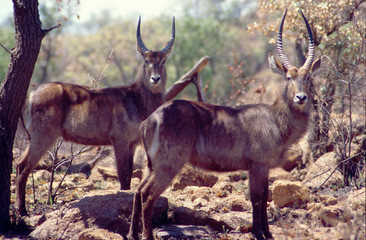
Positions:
{"x": 219, "y": 138}
{"x": 109, "y": 116}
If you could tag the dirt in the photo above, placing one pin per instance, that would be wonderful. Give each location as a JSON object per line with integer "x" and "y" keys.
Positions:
{"x": 332, "y": 212}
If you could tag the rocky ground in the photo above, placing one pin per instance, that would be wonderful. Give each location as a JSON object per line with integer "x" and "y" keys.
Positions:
{"x": 198, "y": 205}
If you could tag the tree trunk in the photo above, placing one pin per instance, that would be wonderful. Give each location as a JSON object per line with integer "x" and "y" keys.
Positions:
{"x": 28, "y": 38}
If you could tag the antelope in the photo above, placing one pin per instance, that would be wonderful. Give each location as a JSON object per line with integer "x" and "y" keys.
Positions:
{"x": 83, "y": 115}
{"x": 220, "y": 138}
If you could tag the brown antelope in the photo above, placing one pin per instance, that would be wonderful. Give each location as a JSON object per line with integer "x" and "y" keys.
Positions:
{"x": 219, "y": 138}
{"x": 88, "y": 116}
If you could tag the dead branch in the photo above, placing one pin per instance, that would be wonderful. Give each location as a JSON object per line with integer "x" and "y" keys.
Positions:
{"x": 186, "y": 79}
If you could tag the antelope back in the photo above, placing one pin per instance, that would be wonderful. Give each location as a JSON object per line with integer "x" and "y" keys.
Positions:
{"x": 154, "y": 70}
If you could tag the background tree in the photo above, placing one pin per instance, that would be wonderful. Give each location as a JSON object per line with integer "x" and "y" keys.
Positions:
{"x": 28, "y": 38}
{"x": 339, "y": 29}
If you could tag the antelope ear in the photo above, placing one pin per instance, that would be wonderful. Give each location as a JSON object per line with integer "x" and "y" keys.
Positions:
{"x": 276, "y": 66}
{"x": 316, "y": 65}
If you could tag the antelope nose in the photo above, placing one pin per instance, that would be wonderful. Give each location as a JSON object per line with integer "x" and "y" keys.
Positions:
{"x": 155, "y": 79}
{"x": 300, "y": 98}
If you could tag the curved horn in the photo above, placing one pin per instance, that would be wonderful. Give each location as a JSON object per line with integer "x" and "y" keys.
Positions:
{"x": 169, "y": 44}
{"x": 311, "y": 51}
{"x": 281, "y": 52}
{"x": 140, "y": 44}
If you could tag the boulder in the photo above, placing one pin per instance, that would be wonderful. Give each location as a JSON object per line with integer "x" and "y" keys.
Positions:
{"x": 239, "y": 204}
{"x": 218, "y": 221}
{"x": 318, "y": 172}
{"x": 330, "y": 216}
{"x": 193, "y": 177}
{"x": 106, "y": 209}
{"x": 278, "y": 174}
{"x": 183, "y": 232}
{"x": 108, "y": 172}
{"x": 357, "y": 200}
{"x": 290, "y": 194}
{"x": 98, "y": 234}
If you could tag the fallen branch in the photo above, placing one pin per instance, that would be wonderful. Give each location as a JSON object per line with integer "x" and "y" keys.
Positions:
{"x": 186, "y": 79}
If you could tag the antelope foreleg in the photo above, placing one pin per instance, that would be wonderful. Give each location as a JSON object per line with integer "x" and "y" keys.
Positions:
{"x": 124, "y": 161}
{"x": 258, "y": 181}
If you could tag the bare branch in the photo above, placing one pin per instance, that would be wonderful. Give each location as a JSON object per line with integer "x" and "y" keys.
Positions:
{"x": 186, "y": 79}
{"x": 51, "y": 28}
{"x": 7, "y": 50}
{"x": 339, "y": 164}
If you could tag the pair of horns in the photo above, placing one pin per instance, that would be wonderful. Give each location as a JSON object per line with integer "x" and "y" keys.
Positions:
{"x": 281, "y": 52}
{"x": 141, "y": 46}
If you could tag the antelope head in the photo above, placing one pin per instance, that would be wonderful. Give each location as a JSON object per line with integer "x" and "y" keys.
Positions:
{"x": 298, "y": 79}
{"x": 154, "y": 71}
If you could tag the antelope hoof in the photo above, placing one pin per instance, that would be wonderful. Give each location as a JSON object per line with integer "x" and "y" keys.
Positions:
{"x": 258, "y": 235}
{"x": 22, "y": 212}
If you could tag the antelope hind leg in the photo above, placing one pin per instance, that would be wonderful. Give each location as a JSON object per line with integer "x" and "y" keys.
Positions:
{"x": 136, "y": 210}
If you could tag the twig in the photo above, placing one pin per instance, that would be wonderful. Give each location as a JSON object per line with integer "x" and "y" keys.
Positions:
{"x": 34, "y": 190}
{"x": 100, "y": 76}
{"x": 72, "y": 157}
{"x": 318, "y": 175}
{"x": 339, "y": 164}
{"x": 7, "y": 50}
{"x": 97, "y": 157}
{"x": 51, "y": 28}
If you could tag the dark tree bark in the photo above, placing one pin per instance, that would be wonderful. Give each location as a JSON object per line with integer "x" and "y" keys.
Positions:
{"x": 28, "y": 38}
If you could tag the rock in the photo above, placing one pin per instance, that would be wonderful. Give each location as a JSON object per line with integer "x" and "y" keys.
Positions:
{"x": 224, "y": 222}
{"x": 290, "y": 194}
{"x": 138, "y": 173}
{"x": 217, "y": 221}
{"x": 98, "y": 234}
{"x": 220, "y": 187}
{"x": 278, "y": 174}
{"x": 192, "y": 177}
{"x": 238, "y": 203}
{"x": 330, "y": 216}
{"x": 183, "y": 232}
{"x": 328, "y": 200}
{"x": 36, "y": 220}
{"x": 357, "y": 200}
{"x": 199, "y": 202}
{"x": 42, "y": 175}
{"x": 105, "y": 209}
{"x": 187, "y": 216}
{"x": 108, "y": 172}
{"x": 319, "y": 171}
{"x": 198, "y": 192}
{"x": 237, "y": 176}
{"x": 314, "y": 207}
{"x": 81, "y": 168}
